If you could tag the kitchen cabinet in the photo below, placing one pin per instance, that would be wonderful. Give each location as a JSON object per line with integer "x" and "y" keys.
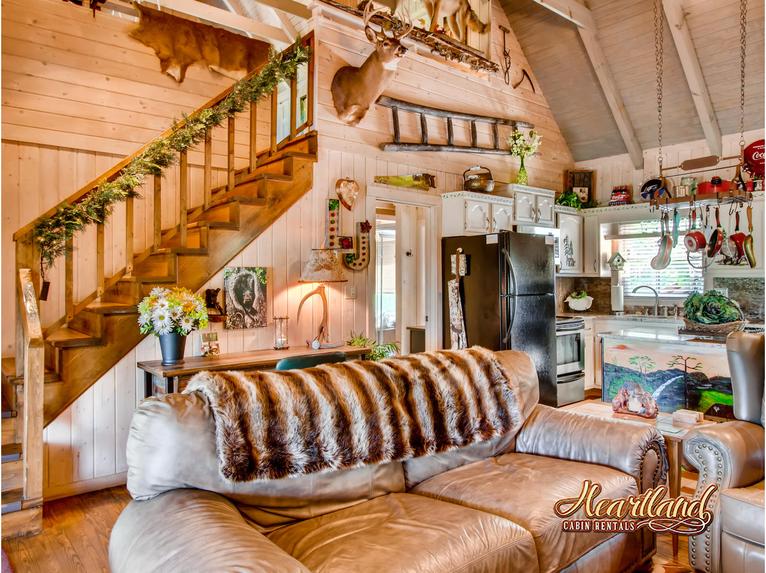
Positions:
{"x": 476, "y": 216}
{"x": 570, "y": 227}
{"x": 534, "y": 206}
{"x": 502, "y": 217}
{"x": 591, "y": 245}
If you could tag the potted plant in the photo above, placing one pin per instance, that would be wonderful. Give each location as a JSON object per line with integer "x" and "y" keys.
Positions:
{"x": 377, "y": 351}
{"x": 171, "y": 314}
{"x": 579, "y": 300}
{"x": 520, "y": 145}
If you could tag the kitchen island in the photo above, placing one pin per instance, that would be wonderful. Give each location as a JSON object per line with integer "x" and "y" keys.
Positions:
{"x": 678, "y": 370}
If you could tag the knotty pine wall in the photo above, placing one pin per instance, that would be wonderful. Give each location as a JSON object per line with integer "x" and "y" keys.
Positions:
{"x": 89, "y": 126}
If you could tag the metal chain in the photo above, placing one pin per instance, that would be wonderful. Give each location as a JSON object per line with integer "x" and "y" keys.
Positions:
{"x": 658, "y": 62}
{"x": 742, "y": 54}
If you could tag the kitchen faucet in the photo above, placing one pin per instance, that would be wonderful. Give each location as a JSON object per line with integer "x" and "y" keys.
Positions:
{"x": 656, "y": 297}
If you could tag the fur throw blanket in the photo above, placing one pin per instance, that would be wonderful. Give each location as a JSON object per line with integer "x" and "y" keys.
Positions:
{"x": 272, "y": 425}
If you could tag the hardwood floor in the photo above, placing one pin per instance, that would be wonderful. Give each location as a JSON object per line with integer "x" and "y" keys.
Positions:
{"x": 76, "y": 530}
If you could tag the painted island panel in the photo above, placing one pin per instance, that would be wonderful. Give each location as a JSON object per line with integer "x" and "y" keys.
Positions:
{"x": 690, "y": 375}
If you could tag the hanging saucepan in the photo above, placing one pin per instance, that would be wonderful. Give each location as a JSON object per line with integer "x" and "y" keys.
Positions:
{"x": 748, "y": 246}
{"x": 662, "y": 260}
{"x": 716, "y": 239}
{"x": 694, "y": 238}
{"x": 676, "y": 226}
{"x": 738, "y": 239}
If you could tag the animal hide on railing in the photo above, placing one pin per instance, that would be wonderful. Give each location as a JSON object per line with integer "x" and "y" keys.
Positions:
{"x": 179, "y": 43}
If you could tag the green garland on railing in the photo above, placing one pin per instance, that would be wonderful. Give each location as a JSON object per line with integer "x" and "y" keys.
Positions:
{"x": 52, "y": 234}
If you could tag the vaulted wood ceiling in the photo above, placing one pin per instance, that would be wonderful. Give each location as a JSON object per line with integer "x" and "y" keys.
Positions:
{"x": 625, "y": 32}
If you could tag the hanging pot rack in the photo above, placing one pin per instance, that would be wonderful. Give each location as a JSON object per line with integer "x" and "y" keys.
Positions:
{"x": 717, "y": 167}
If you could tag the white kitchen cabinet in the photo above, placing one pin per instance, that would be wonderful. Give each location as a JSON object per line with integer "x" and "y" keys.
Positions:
{"x": 545, "y": 212}
{"x": 477, "y": 218}
{"x": 502, "y": 217}
{"x": 570, "y": 243}
{"x": 526, "y": 204}
{"x": 469, "y": 213}
{"x": 591, "y": 245}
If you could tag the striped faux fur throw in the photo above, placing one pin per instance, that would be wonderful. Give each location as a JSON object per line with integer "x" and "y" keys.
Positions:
{"x": 272, "y": 425}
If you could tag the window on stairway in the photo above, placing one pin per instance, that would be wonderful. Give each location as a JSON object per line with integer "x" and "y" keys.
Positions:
{"x": 638, "y": 242}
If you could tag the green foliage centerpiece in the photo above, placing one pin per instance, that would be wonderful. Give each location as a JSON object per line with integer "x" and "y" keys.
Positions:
{"x": 171, "y": 314}
{"x": 520, "y": 145}
{"x": 51, "y": 234}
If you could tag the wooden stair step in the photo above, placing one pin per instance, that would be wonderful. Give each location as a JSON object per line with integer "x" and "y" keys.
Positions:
{"x": 111, "y": 308}
{"x": 7, "y": 410}
{"x": 11, "y": 453}
{"x": 9, "y": 373}
{"x": 13, "y": 474}
{"x": 231, "y": 225}
{"x": 70, "y": 338}
{"x": 11, "y": 500}
{"x": 239, "y": 198}
{"x": 186, "y": 251}
{"x": 280, "y": 155}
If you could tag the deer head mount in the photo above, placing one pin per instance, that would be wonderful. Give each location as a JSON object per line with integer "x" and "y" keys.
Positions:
{"x": 355, "y": 89}
{"x": 179, "y": 43}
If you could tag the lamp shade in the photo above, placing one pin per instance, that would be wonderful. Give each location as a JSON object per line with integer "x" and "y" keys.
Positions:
{"x": 323, "y": 266}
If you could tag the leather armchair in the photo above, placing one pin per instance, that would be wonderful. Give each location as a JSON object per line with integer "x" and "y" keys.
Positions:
{"x": 731, "y": 455}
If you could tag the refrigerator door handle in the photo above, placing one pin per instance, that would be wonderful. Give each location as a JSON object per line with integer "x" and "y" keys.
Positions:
{"x": 510, "y": 268}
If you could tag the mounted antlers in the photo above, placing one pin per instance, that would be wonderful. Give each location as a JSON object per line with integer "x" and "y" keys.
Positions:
{"x": 354, "y": 89}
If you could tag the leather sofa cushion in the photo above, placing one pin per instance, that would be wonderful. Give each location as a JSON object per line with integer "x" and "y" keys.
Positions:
{"x": 524, "y": 489}
{"x": 401, "y": 533}
{"x": 742, "y": 511}
{"x": 520, "y": 370}
{"x": 172, "y": 445}
{"x": 740, "y": 556}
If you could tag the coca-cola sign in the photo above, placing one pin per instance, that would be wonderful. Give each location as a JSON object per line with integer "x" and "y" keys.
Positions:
{"x": 754, "y": 158}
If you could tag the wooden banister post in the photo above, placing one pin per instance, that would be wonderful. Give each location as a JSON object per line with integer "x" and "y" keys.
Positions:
{"x": 183, "y": 196}
{"x": 207, "y": 175}
{"x": 230, "y": 153}
{"x": 34, "y": 370}
{"x": 100, "y": 276}
{"x": 157, "y": 237}
{"x": 397, "y": 129}
{"x": 253, "y": 135}
{"x": 69, "y": 279}
{"x": 129, "y": 236}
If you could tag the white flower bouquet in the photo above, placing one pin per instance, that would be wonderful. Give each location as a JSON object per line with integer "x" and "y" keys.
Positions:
{"x": 521, "y": 146}
{"x": 177, "y": 310}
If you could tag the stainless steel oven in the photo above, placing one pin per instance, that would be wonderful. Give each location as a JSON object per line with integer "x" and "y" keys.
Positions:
{"x": 570, "y": 359}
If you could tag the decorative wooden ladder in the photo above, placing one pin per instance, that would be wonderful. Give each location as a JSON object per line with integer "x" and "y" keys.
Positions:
{"x": 397, "y": 105}
{"x": 55, "y": 365}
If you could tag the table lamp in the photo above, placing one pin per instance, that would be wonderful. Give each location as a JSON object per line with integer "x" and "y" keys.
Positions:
{"x": 322, "y": 267}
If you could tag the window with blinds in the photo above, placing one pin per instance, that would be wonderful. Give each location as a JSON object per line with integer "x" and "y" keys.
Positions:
{"x": 638, "y": 242}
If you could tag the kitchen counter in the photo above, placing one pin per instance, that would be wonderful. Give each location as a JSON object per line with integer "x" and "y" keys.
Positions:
{"x": 662, "y": 338}
{"x": 670, "y": 320}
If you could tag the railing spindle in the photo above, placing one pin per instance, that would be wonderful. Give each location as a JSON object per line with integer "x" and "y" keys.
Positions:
{"x": 157, "y": 239}
{"x": 129, "y": 236}
{"x": 253, "y": 135}
{"x": 293, "y": 107}
{"x": 230, "y": 152}
{"x": 182, "y": 197}
{"x": 69, "y": 279}
{"x": 207, "y": 176}
{"x": 100, "y": 276}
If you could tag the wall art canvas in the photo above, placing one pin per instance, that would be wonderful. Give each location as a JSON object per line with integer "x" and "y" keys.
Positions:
{"x": 245, "y": 296}
{"x": 689, "y": 375}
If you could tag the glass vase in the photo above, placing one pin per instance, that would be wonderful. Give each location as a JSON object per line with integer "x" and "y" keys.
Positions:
{"x": 521, "y": 177}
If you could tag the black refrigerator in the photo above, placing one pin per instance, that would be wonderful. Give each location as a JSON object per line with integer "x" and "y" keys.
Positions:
{"x": 506, "y": 296}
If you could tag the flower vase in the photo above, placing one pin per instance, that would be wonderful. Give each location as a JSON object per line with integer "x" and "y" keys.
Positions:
{"x": 521, "y": 177}
{"x": 172, "y": 346}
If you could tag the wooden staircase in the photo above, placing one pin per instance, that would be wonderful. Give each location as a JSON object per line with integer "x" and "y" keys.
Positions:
{"x": 97, "y": 331}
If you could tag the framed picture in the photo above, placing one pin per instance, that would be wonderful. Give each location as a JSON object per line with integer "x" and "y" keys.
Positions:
{"x": 245, "y": 297}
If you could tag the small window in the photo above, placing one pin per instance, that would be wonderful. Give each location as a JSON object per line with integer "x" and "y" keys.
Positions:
{"x": 638, "y": 242}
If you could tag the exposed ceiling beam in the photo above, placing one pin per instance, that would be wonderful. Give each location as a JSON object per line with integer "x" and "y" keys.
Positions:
{"x": 693, "y": 72}
{"x": 612, "y": 95}
{"x": 571, "y": 10}
{"x": 212, "y": 15}
{"x": 256, "y": 12}
{"x": 581, "y": 16}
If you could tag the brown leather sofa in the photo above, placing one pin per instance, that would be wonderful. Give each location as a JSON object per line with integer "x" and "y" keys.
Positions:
{"x": 484, "y": 508}
{"x": 731, "y": 455}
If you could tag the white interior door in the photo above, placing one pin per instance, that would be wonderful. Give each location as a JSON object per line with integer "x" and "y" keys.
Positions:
{"x": 418, "y": 292}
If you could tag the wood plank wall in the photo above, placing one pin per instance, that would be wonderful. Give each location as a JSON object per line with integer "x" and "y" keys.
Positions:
{"x": 85, "y": 446}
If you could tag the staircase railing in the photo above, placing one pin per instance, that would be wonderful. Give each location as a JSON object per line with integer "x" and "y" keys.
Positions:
{"x": 32, "y": 360}
{"x": 286, "y": 126}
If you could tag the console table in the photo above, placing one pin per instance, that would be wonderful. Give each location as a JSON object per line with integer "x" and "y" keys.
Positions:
{"x": 164, "y": 379}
